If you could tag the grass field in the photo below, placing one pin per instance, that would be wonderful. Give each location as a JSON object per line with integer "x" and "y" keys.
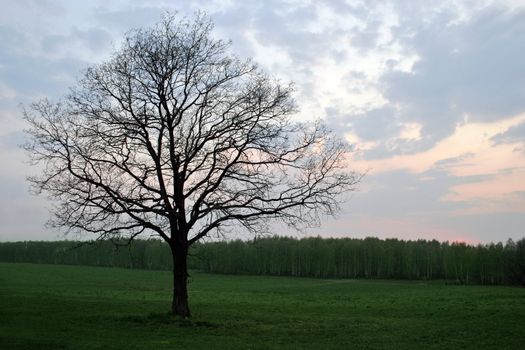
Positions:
{"x": 71, "y": 307}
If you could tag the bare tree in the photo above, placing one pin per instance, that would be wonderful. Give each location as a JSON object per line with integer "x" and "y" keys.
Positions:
{"x": 175, "y": 136}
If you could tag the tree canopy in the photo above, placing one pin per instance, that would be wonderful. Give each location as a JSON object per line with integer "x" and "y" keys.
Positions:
{"x": 176, "y": 136}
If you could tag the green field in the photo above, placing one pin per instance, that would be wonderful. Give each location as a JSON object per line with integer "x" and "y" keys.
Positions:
{"x": 72, "y": 307}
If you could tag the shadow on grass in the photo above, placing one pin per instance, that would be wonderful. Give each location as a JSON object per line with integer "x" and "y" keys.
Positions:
{"x": 153, "y": 319}
{"x": 29, "y": 344}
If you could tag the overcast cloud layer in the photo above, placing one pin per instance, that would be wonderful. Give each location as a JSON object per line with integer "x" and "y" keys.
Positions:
{"x": 432, "y": 96}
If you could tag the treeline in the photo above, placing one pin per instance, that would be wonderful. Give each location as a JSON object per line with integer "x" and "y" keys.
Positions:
{"x": 308, "y": 257}
{"x": 139, "y": 254}
{"x": 368, "y": 258}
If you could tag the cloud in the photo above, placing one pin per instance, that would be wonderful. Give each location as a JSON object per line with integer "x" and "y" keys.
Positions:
{"x": 377, "y": 124}
{"x": 514, "y": 134}
{"x": 471, "y": 147}
{"x": 403, "y": 204}
{"x": 22, "y": 216}
{"x": 122, "y": 19}
{"x": 466, "y": 70}
{"x": 86, "y": 44}
{"x": 432, "y": 97}
{"x": 502, "y": 192}
{"x": 45, "y": 67}
{"x": 6, "y": 93}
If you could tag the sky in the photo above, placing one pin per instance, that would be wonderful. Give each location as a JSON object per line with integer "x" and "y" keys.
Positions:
{"x": 430, "y": 94}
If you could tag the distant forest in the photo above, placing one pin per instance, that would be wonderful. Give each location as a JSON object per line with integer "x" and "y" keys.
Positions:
{"x": 307, "y": 257}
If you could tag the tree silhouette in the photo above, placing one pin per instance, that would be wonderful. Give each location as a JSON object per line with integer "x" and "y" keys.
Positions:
{"x": 176, "y": 136}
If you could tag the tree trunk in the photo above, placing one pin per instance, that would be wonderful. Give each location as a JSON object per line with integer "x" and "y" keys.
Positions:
{"x": 179, "y": 304}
